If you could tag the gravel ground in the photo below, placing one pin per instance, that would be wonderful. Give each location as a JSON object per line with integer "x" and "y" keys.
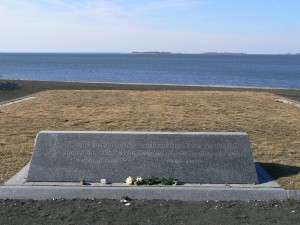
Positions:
{"x": 148, "y": 212}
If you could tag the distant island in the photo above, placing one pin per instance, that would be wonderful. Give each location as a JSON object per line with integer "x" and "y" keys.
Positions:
{"x": 155, "y": 52}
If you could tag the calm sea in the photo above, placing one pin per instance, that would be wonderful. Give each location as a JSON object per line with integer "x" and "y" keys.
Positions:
{"x": 233, "y": 70}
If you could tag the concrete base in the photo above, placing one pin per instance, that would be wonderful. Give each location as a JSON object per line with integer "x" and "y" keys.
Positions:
{"x": 18, "y": 188}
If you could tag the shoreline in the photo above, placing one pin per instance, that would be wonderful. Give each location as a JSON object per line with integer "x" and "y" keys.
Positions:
{"x": 152, "y": 84}
{"x": 29, "y": 87}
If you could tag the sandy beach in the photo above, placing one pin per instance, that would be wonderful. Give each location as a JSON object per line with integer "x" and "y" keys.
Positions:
{"x": 146, "y": 211}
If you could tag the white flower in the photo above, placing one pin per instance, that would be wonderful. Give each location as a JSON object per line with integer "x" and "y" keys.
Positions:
{"x": 129, "y": 180}
{"x": 139, "y": 179}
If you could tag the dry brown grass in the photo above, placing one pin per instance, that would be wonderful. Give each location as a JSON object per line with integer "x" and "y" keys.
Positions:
{"x": 273, "y": 127}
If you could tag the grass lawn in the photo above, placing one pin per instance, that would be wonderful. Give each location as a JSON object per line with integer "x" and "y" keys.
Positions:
{"x": 273, "y": 127}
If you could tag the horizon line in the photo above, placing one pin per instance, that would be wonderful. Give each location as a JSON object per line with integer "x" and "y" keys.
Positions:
{"x": 145, "y": 52}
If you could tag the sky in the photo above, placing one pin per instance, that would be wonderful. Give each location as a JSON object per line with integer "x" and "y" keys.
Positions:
{"x": 185, "y": 26}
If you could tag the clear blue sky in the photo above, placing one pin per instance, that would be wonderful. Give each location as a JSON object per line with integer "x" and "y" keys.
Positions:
{"x": 251, "y": 26}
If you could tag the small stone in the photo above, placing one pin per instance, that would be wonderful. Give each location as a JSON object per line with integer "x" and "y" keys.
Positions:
{"x": 128, "y": 204}
{"x": 82, "y": 181}
{"x": 103, "y": 181}
{"x": 123, "y": 201}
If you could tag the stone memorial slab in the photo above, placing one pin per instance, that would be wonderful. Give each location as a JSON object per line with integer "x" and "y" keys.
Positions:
{"x": 191, "y": 157}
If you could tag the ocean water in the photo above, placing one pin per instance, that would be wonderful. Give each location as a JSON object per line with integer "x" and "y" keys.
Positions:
{"x": 230, "y": 70}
